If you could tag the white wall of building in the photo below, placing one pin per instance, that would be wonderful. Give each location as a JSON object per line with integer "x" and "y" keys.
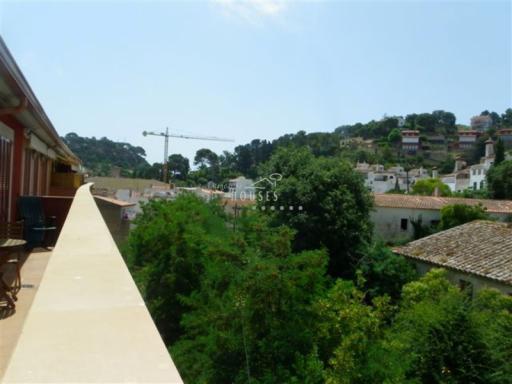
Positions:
{"x": 477, "y": 177}
{"x": 387, "y": 222}
{"x": 478, "y": 283}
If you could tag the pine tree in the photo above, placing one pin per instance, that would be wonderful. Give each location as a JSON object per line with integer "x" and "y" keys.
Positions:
{"x": 500, "y": 152}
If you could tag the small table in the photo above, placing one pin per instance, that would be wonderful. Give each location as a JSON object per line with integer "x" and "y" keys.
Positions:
{"x": 8, "y": 247}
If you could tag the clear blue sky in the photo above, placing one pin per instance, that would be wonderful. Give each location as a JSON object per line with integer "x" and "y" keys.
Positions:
{"x": 256, "y": 69}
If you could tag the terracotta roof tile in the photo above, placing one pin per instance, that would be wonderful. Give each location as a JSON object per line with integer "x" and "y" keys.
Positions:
{"x": 436, "y": 203}
{"x": 482, "y": 248}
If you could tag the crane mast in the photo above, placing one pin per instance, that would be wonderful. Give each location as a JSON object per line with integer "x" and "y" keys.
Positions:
{"x": 166, "y": 136}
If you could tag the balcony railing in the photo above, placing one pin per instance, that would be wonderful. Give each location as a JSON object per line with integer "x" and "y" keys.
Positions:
{"x": 88, "y": 322}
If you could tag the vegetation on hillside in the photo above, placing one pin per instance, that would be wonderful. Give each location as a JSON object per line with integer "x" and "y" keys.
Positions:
{"x": 100, "y": 155}
{"x": 499, "y": 180}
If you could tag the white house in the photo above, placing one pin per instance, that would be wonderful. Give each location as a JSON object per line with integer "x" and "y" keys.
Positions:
{"x": 410, "y": 140}
{"x": 380, "y": 180}
{"x": 457, "y": 181}
{"x": 478, "y": 171}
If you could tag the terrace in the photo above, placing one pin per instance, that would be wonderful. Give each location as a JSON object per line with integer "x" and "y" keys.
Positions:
{"x": 79, "y": 315}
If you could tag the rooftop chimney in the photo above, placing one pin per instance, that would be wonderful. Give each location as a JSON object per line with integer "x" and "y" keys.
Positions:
{"x": 459, "y": 164}
{"x": 489, "y": 148}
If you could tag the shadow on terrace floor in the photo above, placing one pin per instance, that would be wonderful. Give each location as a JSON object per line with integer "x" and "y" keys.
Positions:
{"x": 11, "y": 321}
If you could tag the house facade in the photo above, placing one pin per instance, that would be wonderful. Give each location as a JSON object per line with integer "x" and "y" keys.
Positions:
{"x": 394, "y": 215}
{"x": 33, "y": 158}
{"x": 478, "y": 172}
{"x": 467, "y": 139}
{"x": 505, "y": 135}
{"x": 457, "y": 181}
{"x": 377, "y": 179}
{"x": 410, "y": 141}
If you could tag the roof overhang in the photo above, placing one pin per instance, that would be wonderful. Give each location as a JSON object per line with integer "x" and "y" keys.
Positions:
{"x": 14, "y": 88}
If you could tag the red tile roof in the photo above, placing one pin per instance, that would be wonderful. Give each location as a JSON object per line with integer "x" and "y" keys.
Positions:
{"x": 436, "y": 203}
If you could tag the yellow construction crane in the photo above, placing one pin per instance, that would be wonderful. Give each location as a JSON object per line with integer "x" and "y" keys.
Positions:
{"x": 166, "y": 135}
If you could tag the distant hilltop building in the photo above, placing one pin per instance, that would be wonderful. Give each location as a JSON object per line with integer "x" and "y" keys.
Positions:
{"x": 377, "y": 179}
{"x": 410, "y": 141}
{"x": 473, "y": 177}
{"x": 481, "y": 123}
{"x": 505, "y": 135}
{"x": 467, "y": 138}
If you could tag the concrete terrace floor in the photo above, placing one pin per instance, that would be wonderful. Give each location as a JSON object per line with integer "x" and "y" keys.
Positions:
{"x": 11, "y": 323}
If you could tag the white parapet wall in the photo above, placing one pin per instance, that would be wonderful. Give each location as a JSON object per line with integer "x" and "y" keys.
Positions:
{"x": 88, "y": 322}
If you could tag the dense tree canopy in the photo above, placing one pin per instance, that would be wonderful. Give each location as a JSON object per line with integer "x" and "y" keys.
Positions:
{"x": 499, "y": 180}
{"x": 100, "y": 155}
{"x": 458, "y": 214}
{"x": 428, "y": 187}
{"x": 251, "y": 318}
{"x": 324, "y": 200}
{"x": 179, "y": 166}
{"x": 236, "y": 304}
{"x": 166, "y": 250}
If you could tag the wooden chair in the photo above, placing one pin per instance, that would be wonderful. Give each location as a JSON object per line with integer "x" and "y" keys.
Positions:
{"x": 12, "y": 256}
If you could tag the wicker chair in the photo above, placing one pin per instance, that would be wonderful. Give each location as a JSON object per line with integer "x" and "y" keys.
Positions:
{"x": 13, "y": 231}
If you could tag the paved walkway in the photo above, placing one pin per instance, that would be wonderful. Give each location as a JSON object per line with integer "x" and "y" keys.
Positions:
{"x": 11, "y": 324}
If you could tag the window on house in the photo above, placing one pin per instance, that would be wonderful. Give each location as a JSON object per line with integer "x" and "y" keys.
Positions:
{"x": 475, "y": 186}
{"x": 403, "y": 224}
{"x": 481, "y": 184}
{"x": 466, "y": 286}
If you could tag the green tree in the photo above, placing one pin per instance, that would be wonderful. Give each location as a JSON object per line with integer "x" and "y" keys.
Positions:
{"x": 506, "y": 118}
{"x": 499, "y": 180}
{"x": 427, "y": 187}
{"x": 447, "y": 165}
{"x": 330, "y": 206}
{"x": 385, "y": 272}
{"x": 345, "y": 331}
{"x": 251, "y": 319}
{"x": 179, "y": 166}
{"x": 500, "y": 152}
{"x": 432, "y": 338}
{"x": 458, "y": 214}
{"x": 101, "y": 155}
{"x": 209, "y": 165}
{"x": 394, "y": 136}
{"x": 165, "y": 253}
{"x": 491, "y": 315}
